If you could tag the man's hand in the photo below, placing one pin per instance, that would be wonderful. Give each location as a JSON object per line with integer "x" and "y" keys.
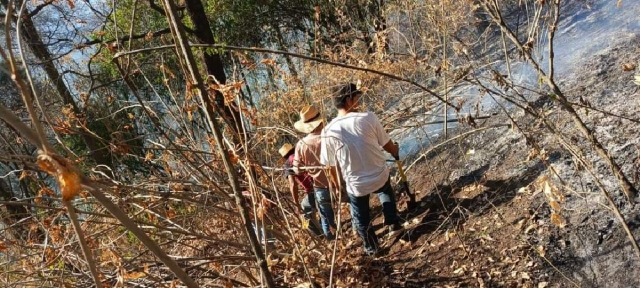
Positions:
{"x": 293, "y": 189}
{"x": 393, "y": 149}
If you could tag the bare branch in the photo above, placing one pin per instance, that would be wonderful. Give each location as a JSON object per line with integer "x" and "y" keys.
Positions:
{"x": 196, "y": 79}
{"x": 301, "y": 56}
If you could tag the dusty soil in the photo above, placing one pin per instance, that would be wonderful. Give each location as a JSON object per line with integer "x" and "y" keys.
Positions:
{"x": 483, "y": 219}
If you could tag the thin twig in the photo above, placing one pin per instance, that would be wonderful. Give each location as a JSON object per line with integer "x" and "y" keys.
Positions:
{"x": 196, "y": 79}
{"x": 423, "y": 155}
{"x": 86, "y": 251}
{"x": 301, "y": 56}
{"x": 559, "y": 97}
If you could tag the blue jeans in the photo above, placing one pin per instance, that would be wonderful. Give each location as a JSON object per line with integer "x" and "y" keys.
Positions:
{"x": 361, "y": 215}
{"x": 309, "y": 213}
{"x": 322, "y": 199}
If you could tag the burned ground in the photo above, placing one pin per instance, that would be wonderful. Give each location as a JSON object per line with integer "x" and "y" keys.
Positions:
{"x": 483, "y": 220}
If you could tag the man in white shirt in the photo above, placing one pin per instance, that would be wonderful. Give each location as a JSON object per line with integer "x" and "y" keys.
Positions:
{"x": 354, "y": 142}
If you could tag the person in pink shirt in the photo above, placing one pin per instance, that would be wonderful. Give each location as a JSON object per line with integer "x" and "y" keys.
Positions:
{"x": 307, "y": 158}
{"x": 307, "y": 205}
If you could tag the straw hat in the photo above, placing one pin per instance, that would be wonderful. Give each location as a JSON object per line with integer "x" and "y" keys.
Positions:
{"x": 310, "y": 119}
{"x": 285, "y": 149}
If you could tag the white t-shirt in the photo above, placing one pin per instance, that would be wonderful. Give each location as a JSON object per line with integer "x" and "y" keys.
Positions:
{"x": 354, "y": 142}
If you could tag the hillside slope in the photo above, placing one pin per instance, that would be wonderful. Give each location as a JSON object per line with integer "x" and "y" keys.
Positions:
{"x": 485, "y": 220}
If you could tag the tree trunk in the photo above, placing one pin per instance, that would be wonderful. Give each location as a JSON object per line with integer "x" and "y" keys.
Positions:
{"x": 30, "y": 36}
{"x": 197, "y": 80}
{"x": 283, "y": 47}
{"x": 213, "y": 63}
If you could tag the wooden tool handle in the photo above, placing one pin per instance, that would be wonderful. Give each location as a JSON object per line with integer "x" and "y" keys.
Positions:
{"x": 401, "y": 171}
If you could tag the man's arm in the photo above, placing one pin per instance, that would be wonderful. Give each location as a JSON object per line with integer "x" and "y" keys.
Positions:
{"x": 383, "y": 137}
{"x": 328, "y": 158}
{"x": 293, "y": 188}
{"x": 393, "y": 149}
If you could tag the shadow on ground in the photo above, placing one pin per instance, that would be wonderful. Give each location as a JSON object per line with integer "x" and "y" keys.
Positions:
{"x": 441, "y": 204}
{"x": 439, "y": 209}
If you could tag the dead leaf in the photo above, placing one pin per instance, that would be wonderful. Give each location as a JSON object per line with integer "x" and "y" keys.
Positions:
{"x": 148, "y": 157}
{"x": 69, "y": 184}
{"x": 68, "y": 178}
{"x": 3, "y": 247}
{"x": 317, "y": 15}
{"x": 552, "y": 193}
{"x": 555, "y": 206}
{"x": 481, "y": 282}
{"x": 487, "y": 237}
{"x": 547, "y": 190}
{"x": 149, "y": 36}
{"x": 448, "y": 235}
{"x": 530, "y": 264}
{"x": 134, "y": 275}
{"x": 525, "y": 276}
{"x": 71, "y": 4}
{"x": 558, "y": 220}
{"x": 521, "y": 223}
{"x": 530, "y": 227}
{"x": 171, "y": 213}
{"x": 233, "y": 157}
{"x": 628, "y": 67}
{"x": 269, "y": 62}
{"x": 532, "y": 154}
{"x": 305, "y": 222}
{"x": 471, "y": 191}
{"x": 543, "y": 284}
{"x": 46, "y": 191}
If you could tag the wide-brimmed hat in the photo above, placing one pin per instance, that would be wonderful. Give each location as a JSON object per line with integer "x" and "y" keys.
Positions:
{"x": 285, "y": 149}
{"x": 310, "y": 119}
